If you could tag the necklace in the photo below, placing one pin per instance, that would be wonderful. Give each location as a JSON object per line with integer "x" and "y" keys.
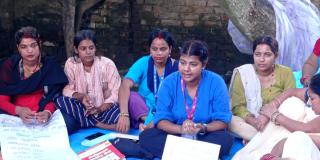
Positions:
{"x": 26, "y": 72}
{"x": 29, "y": 70}
{"x": 267, "y": 81}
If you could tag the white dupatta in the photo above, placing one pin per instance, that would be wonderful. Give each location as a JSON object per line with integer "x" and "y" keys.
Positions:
{"x": 251, "y": 85}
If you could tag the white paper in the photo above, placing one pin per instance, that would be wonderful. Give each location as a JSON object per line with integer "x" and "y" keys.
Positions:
{"x": 178, "y": 148}
{"x": 35, "y": 142}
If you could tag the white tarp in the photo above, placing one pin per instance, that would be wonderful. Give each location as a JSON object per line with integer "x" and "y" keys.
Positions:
{"x": 35, "y": 142}
{"x": 297, "y": 30}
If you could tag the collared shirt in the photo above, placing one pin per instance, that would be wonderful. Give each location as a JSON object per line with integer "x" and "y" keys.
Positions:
{"x": 212, "y": 103}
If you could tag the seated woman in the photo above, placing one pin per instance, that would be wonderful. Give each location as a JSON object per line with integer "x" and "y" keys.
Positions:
{"x": 311, "y": 65}
{"x": 294, "y": 129}
{"x": 91, "y": 97}
{"x": 192, "y": 103}
{"x": 304, "y": 141}
{"x": 148, "y": 73}
{"x": 28, "y": 82}
{"x": 253, "y": 85}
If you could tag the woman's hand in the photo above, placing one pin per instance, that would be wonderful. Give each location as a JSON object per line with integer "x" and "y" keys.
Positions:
{"x": 98, "y": 110}
{"x": 262, "y": 122}
{"x": 43, "y": 116}
{"x": 268, "y": 109}
{"x": 123, "y": 124}
{"x": 189, "y": 127}
{"x": 90, "y": 108}
{"x": 104, "y": 107}
{"x": 253, "y": 121}
{"x": 26, "y": 114}
{"x": 86, "y": 101}
{"x": 142, "y": 127}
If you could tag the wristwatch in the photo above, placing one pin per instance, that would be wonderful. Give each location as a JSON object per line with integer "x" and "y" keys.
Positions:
{"x": 203, "y": 130}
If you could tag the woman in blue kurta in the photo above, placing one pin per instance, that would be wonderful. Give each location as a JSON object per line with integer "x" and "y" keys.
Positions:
{"x": 148, "y": 73}
{"x": 192, "y": 103}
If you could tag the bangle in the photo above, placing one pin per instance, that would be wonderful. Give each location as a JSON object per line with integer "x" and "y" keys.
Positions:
{"x": 203, "y": 130}
{"x": 273, "y": 117}
{"x": 124, "y": 114}
{"x": 50, "y": 114}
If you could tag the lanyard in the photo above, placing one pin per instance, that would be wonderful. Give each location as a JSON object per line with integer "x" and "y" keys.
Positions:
{"x": 155, "y": 86}
{"x": 194, "y": 103}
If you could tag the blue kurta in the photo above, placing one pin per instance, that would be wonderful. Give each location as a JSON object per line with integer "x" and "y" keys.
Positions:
{"x": 212, "y": 103}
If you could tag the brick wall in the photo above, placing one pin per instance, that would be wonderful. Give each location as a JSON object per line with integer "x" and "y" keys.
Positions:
{"x": 122, "y": 27}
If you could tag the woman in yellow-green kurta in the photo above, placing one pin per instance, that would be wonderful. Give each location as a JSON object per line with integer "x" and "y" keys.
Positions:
{"x": 254, "y": 85}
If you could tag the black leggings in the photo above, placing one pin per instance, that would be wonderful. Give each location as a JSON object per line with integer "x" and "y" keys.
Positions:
{"x": 153, "y": 140}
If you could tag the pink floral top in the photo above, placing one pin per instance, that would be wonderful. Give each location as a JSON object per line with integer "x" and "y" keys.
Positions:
{"x": 103, "y": 84}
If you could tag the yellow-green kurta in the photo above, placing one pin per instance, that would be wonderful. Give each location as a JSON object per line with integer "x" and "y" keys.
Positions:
{"x": 284, "y": 80}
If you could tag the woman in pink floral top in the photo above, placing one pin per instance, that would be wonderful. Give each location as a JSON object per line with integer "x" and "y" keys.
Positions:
{"x": 91, "y": 97}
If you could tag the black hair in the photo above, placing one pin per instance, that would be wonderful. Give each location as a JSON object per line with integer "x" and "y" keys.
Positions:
{"x": 315, "y": 84}
{"x": 195, "y": 48}
{"x": 164, "y": 34}
{"x": 27, "y": 32}
{"x": 268, "y": 40}
{"x": 83, "y": 35}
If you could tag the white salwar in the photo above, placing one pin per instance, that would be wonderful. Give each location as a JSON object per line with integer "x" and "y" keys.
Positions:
{"x": 263, "y": 142}
{"x": 299, "y": 146}
{"x": 252, "y": 87}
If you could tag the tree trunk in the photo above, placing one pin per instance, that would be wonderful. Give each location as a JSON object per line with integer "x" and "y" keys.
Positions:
{"x": 82, "y": 7}
{"x": 72, "y": 16}
{"x": 252, "y": 17}
{"x": 69, "y": 7}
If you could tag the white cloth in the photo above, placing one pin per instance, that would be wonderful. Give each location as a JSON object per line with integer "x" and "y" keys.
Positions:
{"x": 263, "y": 142}
{"x": 297, "y": 30}
{"x": 251, "y": 85}
{"x": 299, "y": 146}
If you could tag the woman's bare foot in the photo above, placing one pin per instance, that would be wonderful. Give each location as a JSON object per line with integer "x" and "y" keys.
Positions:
{"x": 106, "y": 126}
{"x": 270, "y": 156}
{"x": 245, "y": 142}
{"x": 142, "y": 127}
